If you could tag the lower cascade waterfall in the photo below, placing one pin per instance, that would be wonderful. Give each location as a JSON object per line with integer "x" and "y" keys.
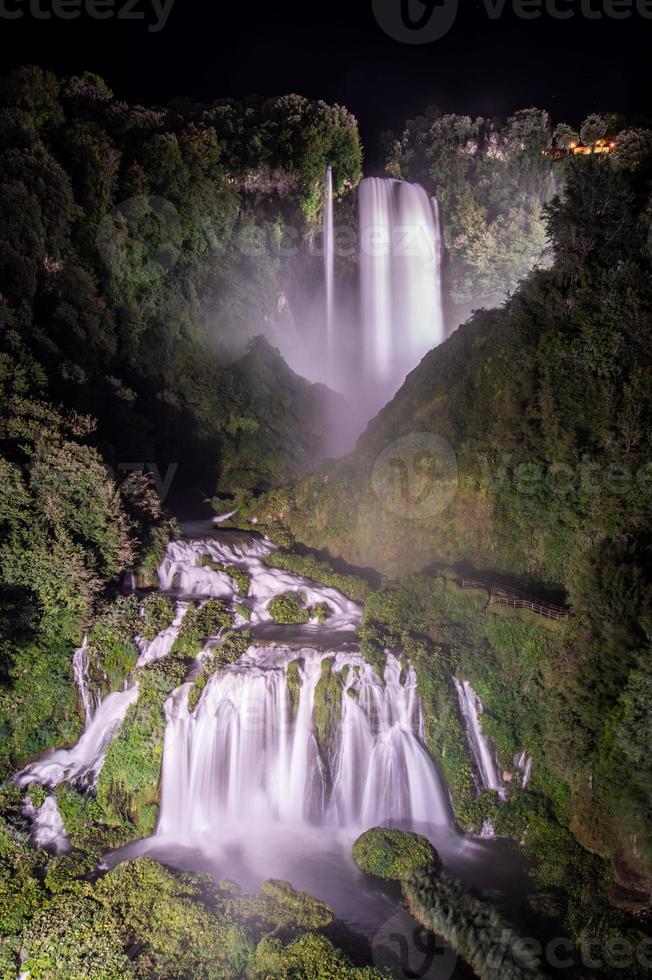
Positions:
{"x": 472, "y": 708}
{"x": 299, "y": 732}
{"x": 252, "y": 751}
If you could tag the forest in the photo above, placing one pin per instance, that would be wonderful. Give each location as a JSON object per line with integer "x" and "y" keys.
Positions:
{"x": 147, "y": 299}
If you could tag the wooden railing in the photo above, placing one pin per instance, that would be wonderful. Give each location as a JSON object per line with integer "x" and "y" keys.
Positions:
{"x": 503, "y": 596}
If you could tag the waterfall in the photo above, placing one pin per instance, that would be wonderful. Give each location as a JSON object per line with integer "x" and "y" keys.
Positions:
{"x": 524, "y": 763}
{"x": 47, "y": 827}
{"x": 244, "y": 756}
{"x": 472, "y": 708}
{"x": 329, "y": 262}
{"x": 80, "y": 674}
{"x": 400, "y": 281}
{"x": 161, "y": 645}
{"x": 82, "y": 763}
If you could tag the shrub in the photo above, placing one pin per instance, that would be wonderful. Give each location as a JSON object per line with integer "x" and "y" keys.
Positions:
{"x": 289, "y": 607}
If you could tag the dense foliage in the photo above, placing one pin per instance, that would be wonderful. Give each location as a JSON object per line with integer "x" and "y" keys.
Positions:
{"x": 125, "y": 280}
{"x": 142, "y": 920}
{"x": 491, "y": 179}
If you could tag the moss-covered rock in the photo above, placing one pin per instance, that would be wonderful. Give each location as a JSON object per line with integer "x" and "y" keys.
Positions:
{"x": 309, "y": 566}
{"x": 327, "y": 706}
{"x": 233, "y": 645}
{"x": 239, "y": 576}
{"x": 112, "y": 653}
{"x": 472, "y": 925}
{"x": 158, "y": 614}
{"x": 394, "y": 854}
{"x": 289, "y": 608}
{"x": 294, "y": 686}
{"x": 198, "y": 624}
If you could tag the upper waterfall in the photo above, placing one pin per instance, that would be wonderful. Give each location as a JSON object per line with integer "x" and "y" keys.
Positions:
{"x": 329, "y": 262}
{"x": 400, "y": 282}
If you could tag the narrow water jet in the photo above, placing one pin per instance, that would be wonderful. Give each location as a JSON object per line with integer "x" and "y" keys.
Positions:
{"x": 329, "y": 265}
{"x": 472, "y": 708}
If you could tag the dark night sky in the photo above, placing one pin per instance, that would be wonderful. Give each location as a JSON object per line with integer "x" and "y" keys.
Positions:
{"x": 212, "y": 48}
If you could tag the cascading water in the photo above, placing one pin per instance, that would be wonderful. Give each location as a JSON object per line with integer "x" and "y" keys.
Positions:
{"x": 329, "y": 263}
{"x": 245, "y": 756}
{"x": 287, "y": 754}
{"x": 472, "y": 708}
{"x": 400, "y": 281}
{"x": 82, "y": 763}
{"x": 80, "y": 673}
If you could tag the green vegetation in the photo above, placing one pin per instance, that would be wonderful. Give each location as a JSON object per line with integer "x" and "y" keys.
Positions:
{"x": 545, "y": 403}
{"x": 309, "y": 566}
{"x": 141, "y": 920}
{"x": 328, "y": 706}
{"x": 294, "y": 686}
{"x": 539, "y": 688}
{"x": 239, "y": 576}
{"x": 112, "y": 653}
{"x": 233, "y": 645}
{"x": 289, "y": 607}
{"x": 491, "y": 180}
{"x": 198, "y": 624}
{"x": 393, "y": 854}
{"x": 158, "y": 615}
{"x": 472, "y": 925}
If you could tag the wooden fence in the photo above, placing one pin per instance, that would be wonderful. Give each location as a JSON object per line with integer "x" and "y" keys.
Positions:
{"x": 503, "y": 596}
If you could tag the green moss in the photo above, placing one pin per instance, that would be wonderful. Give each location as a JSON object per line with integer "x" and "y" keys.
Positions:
{"x": 321, "y": 612}
{"x": 290, "y": 607}
{"x": 198, "y": 624}
{"x": 153, "y": 551}
{"x": 234, "y": 644}
{"x": 158, "y": 614}
{"x": 472, "y": 925}
{"x": 327, "y": 706}
{"x": 294, "y": 686}
{"x": 309, "y": 956}
{"x": 309, "y": 566}
{"x": 112, "y": 653}
{"x": 239, "y": 576}
{"x": 128, "y": 786}
{"x": 393, "y": 854}
{"x": 242, "y": 611}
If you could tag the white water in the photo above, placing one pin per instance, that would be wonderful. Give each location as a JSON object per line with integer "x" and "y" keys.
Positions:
{"x": 80, "y": 674}
{"x": 524, "y": 764}
{"x": 329, "y": 263}
{"x": 181, "y": 572}
{"x": 247, "y": 791}
{"x": 47, "y": 826}
{"x": 472, "y": 708}
{"x": 161, "y": 645}
{"x": 82, "y": 763}
{"x": 400, "y": 282}
{"x": 242, "y": 759}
